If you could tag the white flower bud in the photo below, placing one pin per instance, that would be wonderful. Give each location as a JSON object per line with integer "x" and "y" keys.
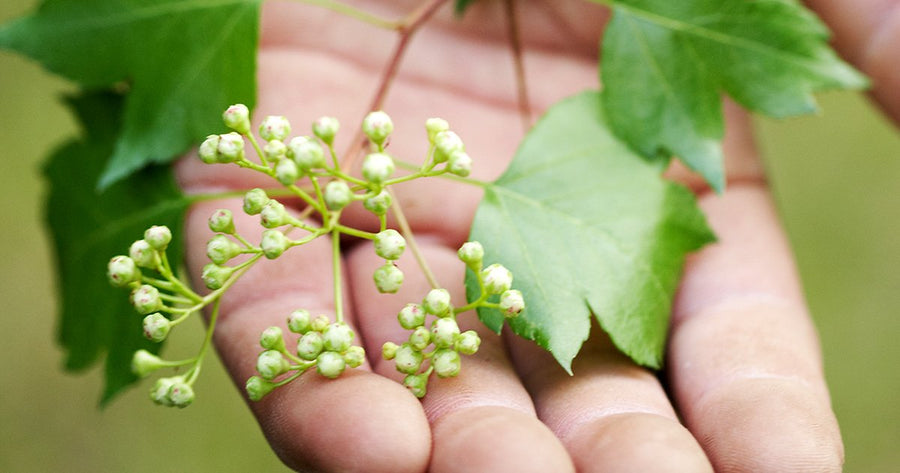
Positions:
{"x": 355, "y": 356}
{"x": 468, "y": 342}
{"x": 326, "y": 128}
{"x": 446, "y": 363}
{"x": 145, "y": 299}
{"x": 338, "y": 195}
{"x": 417, "y": 384}
{"x": 497, "y": 279}
{"x": 460, "y": 163}
{"x": 257, "y": 388}
{"x": 411, "y": 316}
{"x": 272, "y": 339}
{"x": 388, "y": 278}
{"x": 122, "y": 271}
{"x": 407, "y": 359}
{"x": 156, "y": 327}
{"x": 337, "y": 337}
{"x": 380, "y": 203}
{"x": 330, "y": 364}
{"x": 254, "y": 201}
{"x": 310, "y": 345}
{"x": 471, "y": 253}
{"x": 299, "y": 321}
{"x": 273, "y": 214}
{"x": 219, "y": 249}
{"x": 287, "y": 172}
{"x": 307, "y": 153}
{"x": 143, "y": 363}
{"x": 180, "y": 394}
{"x": 231, "y": 148}
{"x": 445, "y": 144}
{"x": 511, "y": 303}
{"x": 434, "y": 126}
{"x": 377, "y": 126}
{"x": 215, "y": 276}
{"x": 158, "y": 237}
{"x": 274, "y": 128}
{"x": 221, "y": 221}
{"x": 237, "y": 117}
{"x": 274, "y": 243}
{"x": 270, "y": 364}
{"x": 437, "y": 302}
{"x": 389, "y": 350}
{"x": 420, "y": 338}
{"x": 377, "y": 167}
{"x": 209, "y": 150}
{"x": 143, "y": 254}
{"x": 444, "y": 332}
{"x": 320, "y": 323}
{"x": 275, "y": 150}
{"x": 389, "y": 244}
{"x": 160, "y": 391}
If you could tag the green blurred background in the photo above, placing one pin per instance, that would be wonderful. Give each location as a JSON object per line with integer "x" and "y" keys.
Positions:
{"x": 837, "y": 182}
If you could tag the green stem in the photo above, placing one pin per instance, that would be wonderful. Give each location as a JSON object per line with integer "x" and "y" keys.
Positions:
{"x": 336, "y": 271}
{"x": 355, "y": 232}
{"x": 259, "y": 151}
{"x": 411, "y": 243}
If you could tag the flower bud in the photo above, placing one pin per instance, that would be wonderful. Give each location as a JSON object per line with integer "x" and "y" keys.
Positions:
{"x": 468, "y": 342}
{"x": 145, "y": 299}
{"x": 377, "y": 167}
{"x": 420, "y": 338}
{"x": 355, "y": 356}
{"x": 272, "y": 339}
{"x": 274, "y": 243}
{"x": 307, "y": 153}
{"x": 411, "y": 316}
{"x": 143, "y": 254}
{"x": 254, "y": 201}
{"x": 215, "y": 276}
{"x": 156, "y": 327}
{"x": 460, "y": 163}
{"x": 143, "y": 363}
{"x": 237, "y": 117}
{"x": 338, "y": 195}
{"x": 231, "y": 148}
{"x": 417, "y": 384}
{"x": 437, "y": 302}
{"x": 273, "y": 215}
{"x": 320, "y": 323}
{"x": 257, "y": 388}
{"x": 221, "y": 221}
{"x": 446, "y": 363}
{"x": 275, "y": 150}
{"x": 388, "y": 278}
{"x": 220, "y": 249}
{"x": 122, "y": 271}
{"x": 180, "y": 394}
{"x": 389, "y": 244}
{"x": 330, "y": 364}
{"x": 158, "y": 237}
{"x": 511, "y": 303}
{"x": 326, "y": 128}
{"x": 337, "y": 337}
{"x": 274, "y": 128}
{"x": 471, "y": 253}
{"x": 407, "y": 359}
{"x": 379, "y": 204}
{"x": 445, "y": 144}
{"x": 299, "y": 321}
{"x": 160, "y": 391}
{"x": 377, "y": 126}
{"x": 310, "y": 345}
{"x": 434, "y": 126}
{"x": 270, "y": 364}
{"x": 287, "y": 172}
{"x": 209, "y": 150}
{"x": 389, "y": 350}
{"x": 444, "y": 332}
{"x": 497, "y": 279}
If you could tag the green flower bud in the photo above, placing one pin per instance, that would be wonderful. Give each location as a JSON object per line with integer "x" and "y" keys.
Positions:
{"x": 307, "y": 153}
{"x": 337, "y": 337}
{"x": 143, "y": 254}
{"x": 444, "y": 332}
{"x": 221, "y": 221}
{"x": 445, "y": 144}
{"x": 411, "y": 316}
{"x": 389, "y": 244}
{"x": 417, "y": 384}
{"x": 389, "y": 350}
{"x": 379, "y": 204}
{"x": 511, "y": 303}
{"x": 320, "y": 323}
{"x": 377, "y": 167}
{"x": 460, "y": 163}
{"x": 209, "y": 150}
{"x": 497, "y": 279}
{"x": 145, "y": 299}
{"x": 274, "y": 243}
{"x": 275, "y": 150}
{"x": 446, "y": 363}
{"x": 274, "y": 128}
{"x": 257, "y": 388}
{"x": 272, "y": 339}
{"x": 434, "y": 126}
{"x": 122, "y": 271}
{"x": 273, "y": 215}
{"x": 270, "y": 364}
{"x": 407, "y": 359}
{"x": 143, "y": 363}
{"x": 326, "y": 128}
{"x": 310, "y": 345}
{"x": 420, "y": 338}
{"x": 355, "y": 356}
{"x": 299, "y": 321}
{"x": 214, "y": 276}
{"x": 156, "y": 327}
{"x": 471, "y": 253}
{"x": 254, "y": 201}
{"x": 180, "y": 394}
{"x": 338, "y": 195}
{"x": 388, "y": 278}
{"x": 158, "y": 237}
{"x": 287, "y": 172}
{"x": 160, "y": 391}
{"x": 437, "y": 302}
{"x": 377, "y": 126}
{"x": 468, "y": 342}
{"x": 231, "y": 148}
{"x": 330, "y": 364}
{"x": 237, "y": 117}
{"x": 220, "y": 249}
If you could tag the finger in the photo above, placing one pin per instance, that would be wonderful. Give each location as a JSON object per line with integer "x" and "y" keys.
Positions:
{"x": 744, "y": 358}
{"x": 483, "y": 419}
{"x": 357, "y": 422}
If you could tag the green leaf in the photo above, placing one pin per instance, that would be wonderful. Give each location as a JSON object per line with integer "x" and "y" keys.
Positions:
{"x": 183, "y": 61}
{"x": 88, "y": 228}
{"x": 586, "y": 226}
{"x": 664, "y": 64}
{"x": 460, "y": 6}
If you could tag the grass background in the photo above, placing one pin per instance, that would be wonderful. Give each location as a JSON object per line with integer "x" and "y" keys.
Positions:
{"x": 836, "y": 178}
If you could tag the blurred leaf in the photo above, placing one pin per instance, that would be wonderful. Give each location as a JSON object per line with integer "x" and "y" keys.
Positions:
{"x": 587, "y": 226}
{"x": 89, "y": 227}
{"x": 665, "y": 63}
{"x": 183, "y": 61}
{"x": 460, "y": 6}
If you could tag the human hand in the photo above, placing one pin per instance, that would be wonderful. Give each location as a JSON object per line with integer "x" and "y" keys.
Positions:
{"x": 744, "y": 374}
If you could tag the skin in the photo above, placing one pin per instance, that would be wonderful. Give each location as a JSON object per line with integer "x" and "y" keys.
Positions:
{"x": 744, "y": 388}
